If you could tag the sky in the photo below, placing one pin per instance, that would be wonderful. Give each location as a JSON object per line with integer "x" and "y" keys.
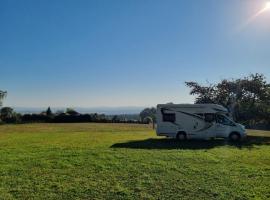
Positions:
{"x": 92, "y": 53}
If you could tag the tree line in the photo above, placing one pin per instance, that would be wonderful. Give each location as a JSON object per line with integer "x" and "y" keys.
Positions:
{"x": 247, "y": 99}
{"x": 8, "y": 115}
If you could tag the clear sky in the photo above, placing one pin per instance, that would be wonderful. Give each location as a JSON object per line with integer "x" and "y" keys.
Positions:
{"x": 126, "y": 52}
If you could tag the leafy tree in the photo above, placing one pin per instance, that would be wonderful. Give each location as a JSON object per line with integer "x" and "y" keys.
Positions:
{"x": 71, "y": 111}
{"x": 148, "y": 114}
{"x": 246, "y": 98}
{"x": 6, "y": 112}
{"x": 95, "y": 117}
{"x": 2, "y": 96}
{"x": 49, "y": 112}
{"x": 205, "y": 94}
{"x": 115, "y": 118}
{"x": 59, "y": 112}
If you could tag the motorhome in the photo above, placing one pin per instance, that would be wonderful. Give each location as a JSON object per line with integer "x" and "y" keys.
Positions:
{"x": 197, "y": 121}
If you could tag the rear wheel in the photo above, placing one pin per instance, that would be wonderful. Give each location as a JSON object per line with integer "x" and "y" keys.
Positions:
{"x": 234, "y": 137}
{"x": 181, "y": 136}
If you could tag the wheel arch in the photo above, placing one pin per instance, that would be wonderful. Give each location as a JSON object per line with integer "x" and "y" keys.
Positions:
{"x": 236, "y": 133}
{"x": 181, "y": 132}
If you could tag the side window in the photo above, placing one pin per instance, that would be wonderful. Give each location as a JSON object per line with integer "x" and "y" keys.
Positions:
{"x": 209, "y": 117}
{"x": 223, "y": 120}
{"x": 168, "y": 117}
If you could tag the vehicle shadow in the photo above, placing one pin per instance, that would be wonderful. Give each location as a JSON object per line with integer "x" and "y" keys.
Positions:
{"x": 164, "y": 143}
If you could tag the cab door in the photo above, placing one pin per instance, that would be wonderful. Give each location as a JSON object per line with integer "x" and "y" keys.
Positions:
{"x": 221, "y": 130}
{"x": 222, "y": 126}
{"x": 210, "y": 125}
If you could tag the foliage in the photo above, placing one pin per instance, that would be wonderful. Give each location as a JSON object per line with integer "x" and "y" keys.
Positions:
{"x": 248, "y": 98}
{"x": 49, "y": 112}
{"x": 148, "y": 113}
{"x": 71, "y": 111}
{"x": 115, "y": 118}
{"x": 72, "y": 116}
{"x": 2, "y": 96}
{"x": 8, "y": 115}
{"x": 6, "y": 112}
{"x": 127, "y": 161}
{"x": 35, "y": 118}
{"x": 64, "y": 118}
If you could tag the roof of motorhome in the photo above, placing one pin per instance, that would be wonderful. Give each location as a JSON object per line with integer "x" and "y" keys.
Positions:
{"x": 216, "y": 106}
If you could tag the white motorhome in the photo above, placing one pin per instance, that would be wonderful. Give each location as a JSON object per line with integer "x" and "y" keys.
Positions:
{"x": 197, "y": 121}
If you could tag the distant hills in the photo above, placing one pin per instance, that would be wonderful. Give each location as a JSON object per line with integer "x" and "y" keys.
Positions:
{"x": 99, "y": 110}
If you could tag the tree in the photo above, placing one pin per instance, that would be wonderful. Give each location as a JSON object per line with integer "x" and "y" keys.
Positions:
{"x": 115, "y": 119}
{"x": 6, "y": 113}
{"x": 205, "y": 94}
{"x": 148, "y": 114}
{"x": 2, "y": 96}
{"x": 59, "y": 112}
{"x": 71, "y": 111}
{"x": 49, "y": 112}
{"x": 9, "y": 116}
{"x": 246, "y": 98}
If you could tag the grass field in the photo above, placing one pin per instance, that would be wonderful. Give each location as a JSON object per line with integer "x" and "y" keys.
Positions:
{"x": 120, "y": 161}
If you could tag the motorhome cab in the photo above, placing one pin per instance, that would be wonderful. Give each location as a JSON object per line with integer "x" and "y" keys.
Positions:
{"x": 197, "y": 121}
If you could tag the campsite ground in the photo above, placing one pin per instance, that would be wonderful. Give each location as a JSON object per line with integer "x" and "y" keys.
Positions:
{"x": 122, "y": 161}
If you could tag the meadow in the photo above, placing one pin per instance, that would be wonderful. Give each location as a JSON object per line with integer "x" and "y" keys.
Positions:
{"x": 127, "y": 161}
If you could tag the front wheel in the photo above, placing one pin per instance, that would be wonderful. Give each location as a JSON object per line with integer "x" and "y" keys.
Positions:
{"x": 234, "y": 137}
{"x": 181, "y": 136}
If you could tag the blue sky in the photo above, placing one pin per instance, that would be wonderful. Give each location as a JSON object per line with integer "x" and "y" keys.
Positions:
{"x": 126, "y": 52}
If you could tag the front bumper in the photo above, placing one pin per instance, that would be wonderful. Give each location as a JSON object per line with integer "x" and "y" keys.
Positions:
{"x": 244, "y": 135}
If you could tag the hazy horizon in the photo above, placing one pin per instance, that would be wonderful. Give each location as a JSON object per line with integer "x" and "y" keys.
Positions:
{"x": 101, "y": 110}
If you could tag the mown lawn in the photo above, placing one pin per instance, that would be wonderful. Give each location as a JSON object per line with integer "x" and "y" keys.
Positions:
{"x": 120, "y": 161}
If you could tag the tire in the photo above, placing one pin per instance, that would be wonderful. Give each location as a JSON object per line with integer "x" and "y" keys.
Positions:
{"x": 181, "y": 136}
{"x": 234, "y": 137}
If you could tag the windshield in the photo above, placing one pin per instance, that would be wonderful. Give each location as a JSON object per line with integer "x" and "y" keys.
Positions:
{"x": 221, "y": 119}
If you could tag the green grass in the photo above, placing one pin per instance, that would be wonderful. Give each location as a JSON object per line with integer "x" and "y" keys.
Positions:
{"x": 120, "y": 161}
